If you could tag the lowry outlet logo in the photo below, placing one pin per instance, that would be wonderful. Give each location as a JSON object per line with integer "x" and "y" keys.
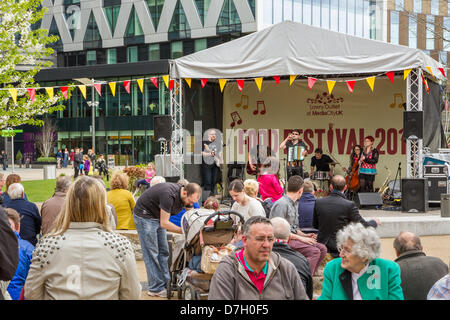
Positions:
{"x": 324, "y": 105}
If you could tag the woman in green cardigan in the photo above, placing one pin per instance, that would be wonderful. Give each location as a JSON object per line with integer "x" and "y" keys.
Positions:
{"x": 359, "y": 274}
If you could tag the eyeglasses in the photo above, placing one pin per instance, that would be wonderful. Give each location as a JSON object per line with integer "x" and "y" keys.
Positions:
{"x": 261, "y": 240}
{"x": 344, "y": 251}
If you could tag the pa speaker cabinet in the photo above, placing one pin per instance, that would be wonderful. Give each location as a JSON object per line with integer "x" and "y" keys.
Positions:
{"x": 436, "y": 187}
{"x": 413, "y": 124}
{"x": 415, "y": 195}
{"x": 162, "y": 127}
{"x": 369, "y": 199}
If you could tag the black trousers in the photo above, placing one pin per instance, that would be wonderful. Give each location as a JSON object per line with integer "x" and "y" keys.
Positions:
{"x": 209, "y": 177}
{"x": 292, "y": 171}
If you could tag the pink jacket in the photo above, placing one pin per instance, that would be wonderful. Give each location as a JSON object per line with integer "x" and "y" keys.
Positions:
{"x": 269, "y": 187}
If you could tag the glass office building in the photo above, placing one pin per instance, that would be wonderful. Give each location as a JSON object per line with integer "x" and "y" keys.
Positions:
{"x": 115, "y": 40}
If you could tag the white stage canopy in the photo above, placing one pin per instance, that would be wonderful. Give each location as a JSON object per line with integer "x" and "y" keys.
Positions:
{"x": 291, "y": 48}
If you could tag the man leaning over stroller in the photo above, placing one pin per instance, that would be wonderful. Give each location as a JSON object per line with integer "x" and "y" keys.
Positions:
{"x": 256, "y": 272}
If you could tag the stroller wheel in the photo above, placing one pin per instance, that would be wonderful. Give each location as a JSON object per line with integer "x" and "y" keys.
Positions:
{"x": 191, "y": 294}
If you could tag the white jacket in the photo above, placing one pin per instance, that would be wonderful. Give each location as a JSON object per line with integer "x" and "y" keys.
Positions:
{"x": 85, "y": 263}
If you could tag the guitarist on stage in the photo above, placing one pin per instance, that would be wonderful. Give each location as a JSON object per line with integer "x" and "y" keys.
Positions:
{"x": 211, "y": 160}
{"x": 257, "y": 157}
{"x": 294, "y": 167}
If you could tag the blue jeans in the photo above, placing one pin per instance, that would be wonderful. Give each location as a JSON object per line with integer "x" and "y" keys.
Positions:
{"x": 155, "y": 251}
{"x": 209, "y": 176}
{"x": 142, "y": 181}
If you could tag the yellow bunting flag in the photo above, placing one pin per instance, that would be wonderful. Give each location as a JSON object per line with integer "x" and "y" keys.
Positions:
{"x": 188, "y": 81}
{"x": 258, "y": 82}
{"x": 371, "y": 82}
{"x": 330, "y": 85}
{"x": 429, "y": 70}
{"x": 222, "y": 83}
{"x": 112, "y": 86}
{"x": 166, "y": 81}
{"x": 291, "y": 79}
{"x": 82, "y": 88}
{"x": 140, "y": 83}
{"x": 13, "y": 93}
{"x": 406, "y": 73}
{"x": 49, "y": 92}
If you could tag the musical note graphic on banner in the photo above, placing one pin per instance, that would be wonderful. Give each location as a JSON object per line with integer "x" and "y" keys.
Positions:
{"x": 243, "y": 98}
{"x": 263, "y": 108}
{"x": 400, "y": 105}
{"x": 236, "y": 119}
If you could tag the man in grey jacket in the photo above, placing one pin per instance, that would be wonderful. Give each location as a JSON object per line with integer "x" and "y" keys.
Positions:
{"x": 418, "y": 271}
{"x": 256, "y": 272}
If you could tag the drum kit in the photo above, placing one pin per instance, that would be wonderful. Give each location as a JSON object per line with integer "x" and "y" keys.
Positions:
{"x": 321, "y": 179}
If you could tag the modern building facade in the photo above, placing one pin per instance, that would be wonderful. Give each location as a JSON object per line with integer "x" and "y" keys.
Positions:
{"x": 116, "y": 40}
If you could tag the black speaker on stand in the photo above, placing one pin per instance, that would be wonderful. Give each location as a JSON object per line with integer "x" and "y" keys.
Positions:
{"x": 162, "y": 127}
{"x": 413, "y": 124}
{"x": 415, "y": 195}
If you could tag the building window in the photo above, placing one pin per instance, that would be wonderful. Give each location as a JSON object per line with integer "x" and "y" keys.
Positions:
{"x": 298, "y": 10}
{"x": 359, "y": 18}
{"x": 443, "y": 57}
{"x": 334, "y": 15}
{"x": 446, "y": 33}
{"x": 325, "y": 15}
{"x": 200, "y": 44}
{"x": 132, "y": 54}
{"x": 430, "y": 33}
{"x": 435, "y": 7}
{"x": 342, "y": 16}
{"x": 153, "y": 52}
{"x": 111, "y": 56}
{"x": 155, "y": 7}
{"x": 112, "y": 13}
{"x": 92, "y": 32}
{"x": 202, "y": 8}
{"x": 351, "y": 17}
{"x": 394, "y": 27}
{"x": 229, "y": 20}
{"x": 267, "y": 7}
{"x": 134, "y": 27}
{"x": 277, "y": 11}
{"x": 418, "y": 6}
{"x": 316, "y": 16}
{"x": 412, "y": 43}
{"x": 91, "y": 57}
{"x": 400, "y": 5}
{"x": 179, "y": 24}
{"x": 307, "y": 12}
{"x": 176, "y": 49}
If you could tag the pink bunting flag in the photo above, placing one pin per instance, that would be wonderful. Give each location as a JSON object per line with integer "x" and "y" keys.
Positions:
{"x": 155, "y": 81}
{"x": 350, "y": 85}
{"x": 240, "y": 83}
{"x": 126, "y": 84}
{"x": 171, "y": 82}
{"x": 203, "y": 82}
{"x": 64, "y": 91}
{"x": 277, "y": 79}
{"x": 98, "y": 88}
{"x": 311, "y": 82}
{"x": 443, "y": 72}
{"x": 391, "y": 75}
{"x": 31, "y": 93}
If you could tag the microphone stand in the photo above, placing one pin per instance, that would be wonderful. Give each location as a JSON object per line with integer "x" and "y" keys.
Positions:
{"x": 398, "y": 173}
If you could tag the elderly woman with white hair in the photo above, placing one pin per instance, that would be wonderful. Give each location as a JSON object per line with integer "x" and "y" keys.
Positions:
{"x": 359, "y": 273}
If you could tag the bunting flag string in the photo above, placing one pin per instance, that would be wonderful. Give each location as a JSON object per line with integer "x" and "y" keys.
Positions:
{"x": 169, "y": 83}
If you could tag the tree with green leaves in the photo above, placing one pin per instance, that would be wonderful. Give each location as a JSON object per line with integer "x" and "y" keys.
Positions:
{"x": 24, "y": 51}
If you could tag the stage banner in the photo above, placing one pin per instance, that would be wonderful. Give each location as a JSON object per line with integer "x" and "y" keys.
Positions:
{"x": 333, "y": 122}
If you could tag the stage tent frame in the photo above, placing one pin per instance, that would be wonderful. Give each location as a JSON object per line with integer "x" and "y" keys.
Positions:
{"x": 291, "y": 48}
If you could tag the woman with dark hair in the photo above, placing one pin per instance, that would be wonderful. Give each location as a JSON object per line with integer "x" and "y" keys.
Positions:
{"x": 243, "y": 204}
{"x": 367, "y": 165}
{"x": 352, "y": 171}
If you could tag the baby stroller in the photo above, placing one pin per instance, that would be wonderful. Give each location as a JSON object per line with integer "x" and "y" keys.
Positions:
{"x": 201, "y": 227}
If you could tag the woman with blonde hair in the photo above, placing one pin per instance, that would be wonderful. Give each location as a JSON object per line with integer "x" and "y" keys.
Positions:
{"x": 122, "y": 200}
{"x": 82, "y": 259}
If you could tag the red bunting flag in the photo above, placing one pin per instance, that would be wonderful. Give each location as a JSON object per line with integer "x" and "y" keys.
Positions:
{"x": 126, "y": 84}
{"x": 443, "y": 72}
{"x": 277, "y": 79}
{"x": 64, "y": 91}
{"x": 350, "y": 85}
{"x": 240, "y": 83}
{"x": 31, "y": 93}
{"x": 155, "y": 81}
{"x": 98, "y": 87}
{"x": 203, "y": 82}
{"x": 426, "y": 84}
{"x": 391, "y": 75}
{"x": 311, "y": 82}
{"x": 171, "y": 82}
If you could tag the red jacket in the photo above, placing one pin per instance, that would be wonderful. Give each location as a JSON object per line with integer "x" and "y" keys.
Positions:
{"x": 269, "y": 187}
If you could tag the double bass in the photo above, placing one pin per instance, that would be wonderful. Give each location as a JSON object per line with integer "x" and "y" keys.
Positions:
{"x": 352, "y": 179}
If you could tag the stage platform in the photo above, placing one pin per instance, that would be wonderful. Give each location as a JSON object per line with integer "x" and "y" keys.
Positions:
{"x": 423, "y": 224}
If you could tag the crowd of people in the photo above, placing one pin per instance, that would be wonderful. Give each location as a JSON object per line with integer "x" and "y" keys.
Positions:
{"x": 70, "y": 248}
